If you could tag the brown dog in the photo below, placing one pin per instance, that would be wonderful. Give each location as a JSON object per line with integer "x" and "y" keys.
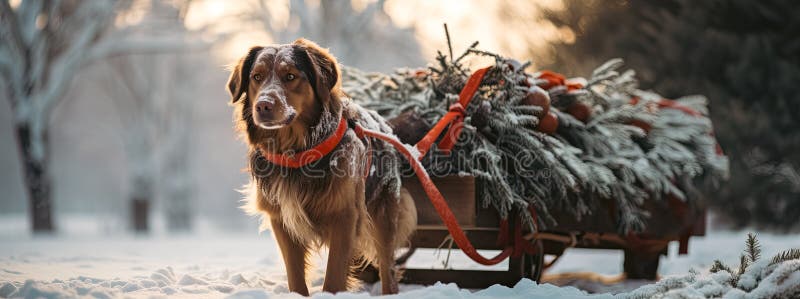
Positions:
{"x": 289, "y": 101}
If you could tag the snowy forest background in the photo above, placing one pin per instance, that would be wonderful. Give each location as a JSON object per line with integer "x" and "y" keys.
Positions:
{"x": 132, "y": 109}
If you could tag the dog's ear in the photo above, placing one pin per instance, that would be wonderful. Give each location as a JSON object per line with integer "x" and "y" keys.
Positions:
{"x": 240, "y": 76}
{"x": 320, "y": 67}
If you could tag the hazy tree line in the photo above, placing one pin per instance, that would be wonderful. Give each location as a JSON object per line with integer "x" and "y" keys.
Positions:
{"x": 744, "y": 55}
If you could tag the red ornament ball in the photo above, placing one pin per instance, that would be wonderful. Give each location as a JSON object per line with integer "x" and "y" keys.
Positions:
{"x": 580, "y": 111}
{"x": 538, "y": 97}
{"x": 548, "y": 124}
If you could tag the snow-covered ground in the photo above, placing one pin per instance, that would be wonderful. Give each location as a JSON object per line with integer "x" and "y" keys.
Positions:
{"x": 248, "y": 265}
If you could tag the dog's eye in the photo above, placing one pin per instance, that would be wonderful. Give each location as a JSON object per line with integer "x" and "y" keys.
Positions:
{"x": 257, "y": 77}
{"x": 290, "y": 77}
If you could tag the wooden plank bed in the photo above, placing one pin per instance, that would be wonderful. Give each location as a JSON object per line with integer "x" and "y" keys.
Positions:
{"x": 670, "y": 220}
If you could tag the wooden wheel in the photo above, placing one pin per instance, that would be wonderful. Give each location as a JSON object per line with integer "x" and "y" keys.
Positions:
{"x": 641, "y": 265}
{"x": 534, "y": 263}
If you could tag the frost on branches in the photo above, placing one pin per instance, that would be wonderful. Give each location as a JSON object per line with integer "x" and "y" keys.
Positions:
{"x": 537, "y": 139}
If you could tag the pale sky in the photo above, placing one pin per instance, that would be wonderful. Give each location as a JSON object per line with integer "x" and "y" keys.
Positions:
{"x": 468, "y": 21}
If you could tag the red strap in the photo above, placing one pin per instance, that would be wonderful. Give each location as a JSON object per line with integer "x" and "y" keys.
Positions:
{"x": 554, "y": 79}
{"x": 439, "y": 203}
{"x": 666, "y": 103}
{"x": 451, "y": 136}
{"x": 425, "y": 143}
{"x": 454, "y": 118}
{"x": 670, "y": 104}
{"x": 310, "y": 155}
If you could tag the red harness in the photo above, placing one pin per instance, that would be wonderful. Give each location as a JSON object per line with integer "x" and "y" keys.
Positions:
{"x": 313, "y": 154}
{"x": 321, "y": 150}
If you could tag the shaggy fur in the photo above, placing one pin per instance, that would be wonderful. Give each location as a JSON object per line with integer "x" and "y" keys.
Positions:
{"x": 288, "y": 99}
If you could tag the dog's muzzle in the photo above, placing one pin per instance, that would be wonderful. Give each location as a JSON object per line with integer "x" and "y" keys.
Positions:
{"x": 272, "y": 113}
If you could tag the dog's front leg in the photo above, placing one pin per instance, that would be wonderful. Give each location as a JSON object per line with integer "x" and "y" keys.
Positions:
{"x": 294, "y": 257}
{"x": 340, "y": 255}
{"x": 341, "y": 235}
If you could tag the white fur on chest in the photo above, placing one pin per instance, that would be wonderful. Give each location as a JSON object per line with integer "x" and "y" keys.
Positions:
{"x": 296, "y": 221}
{"x": 288, "y": 207}
{"x": 292, "y": 211}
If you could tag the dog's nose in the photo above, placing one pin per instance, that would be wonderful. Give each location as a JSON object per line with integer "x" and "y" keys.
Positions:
{"x": 264, "y": 106}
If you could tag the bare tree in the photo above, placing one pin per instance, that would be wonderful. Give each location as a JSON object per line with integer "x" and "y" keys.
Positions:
{"x": 156, "y": 117}
{"x": 151, "y": 101}
{"x": 131, "y": 90}
{"x": 44, "y": 43}
{"x": 176, "y": 132}
{"x": 178, "y": 183}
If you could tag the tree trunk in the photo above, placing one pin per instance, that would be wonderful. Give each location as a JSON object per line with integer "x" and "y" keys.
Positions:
{"x": 140, "y": 208}
{"x": 141, "y": 196}
{"x": 37, "y": 180}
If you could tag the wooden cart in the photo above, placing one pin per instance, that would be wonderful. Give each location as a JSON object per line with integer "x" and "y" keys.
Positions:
{"x": 670, "y": 220}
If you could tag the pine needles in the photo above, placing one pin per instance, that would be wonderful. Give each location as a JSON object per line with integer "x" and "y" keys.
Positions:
{"x": 791, "y": 254}
{"x": 751, "y": 255}
{"x": 719, "y": 266}
{"x": 753, "y": 248}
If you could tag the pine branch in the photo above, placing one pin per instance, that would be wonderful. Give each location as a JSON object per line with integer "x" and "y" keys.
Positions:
{"x": 449, "y": 44}
{"x": 743, "y": 264}
{"x": 472, "y": 46}
{"x": 753, "y": 248}
{"x": 791, "y": 254}
{"x": 719, "y": 266}
{"x": 485, "y": 53}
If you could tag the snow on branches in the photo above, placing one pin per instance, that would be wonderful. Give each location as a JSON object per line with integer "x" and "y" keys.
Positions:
{"x": 778, "y": 277}
{"x": 611, "y": 141}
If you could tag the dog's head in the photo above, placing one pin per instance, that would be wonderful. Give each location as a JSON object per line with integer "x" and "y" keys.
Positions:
{"x": 282, "y": 84}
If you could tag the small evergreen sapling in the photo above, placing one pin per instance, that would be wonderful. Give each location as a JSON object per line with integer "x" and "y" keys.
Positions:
{"x": 751, "y": 255}
{"x": 754, "y": 278}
